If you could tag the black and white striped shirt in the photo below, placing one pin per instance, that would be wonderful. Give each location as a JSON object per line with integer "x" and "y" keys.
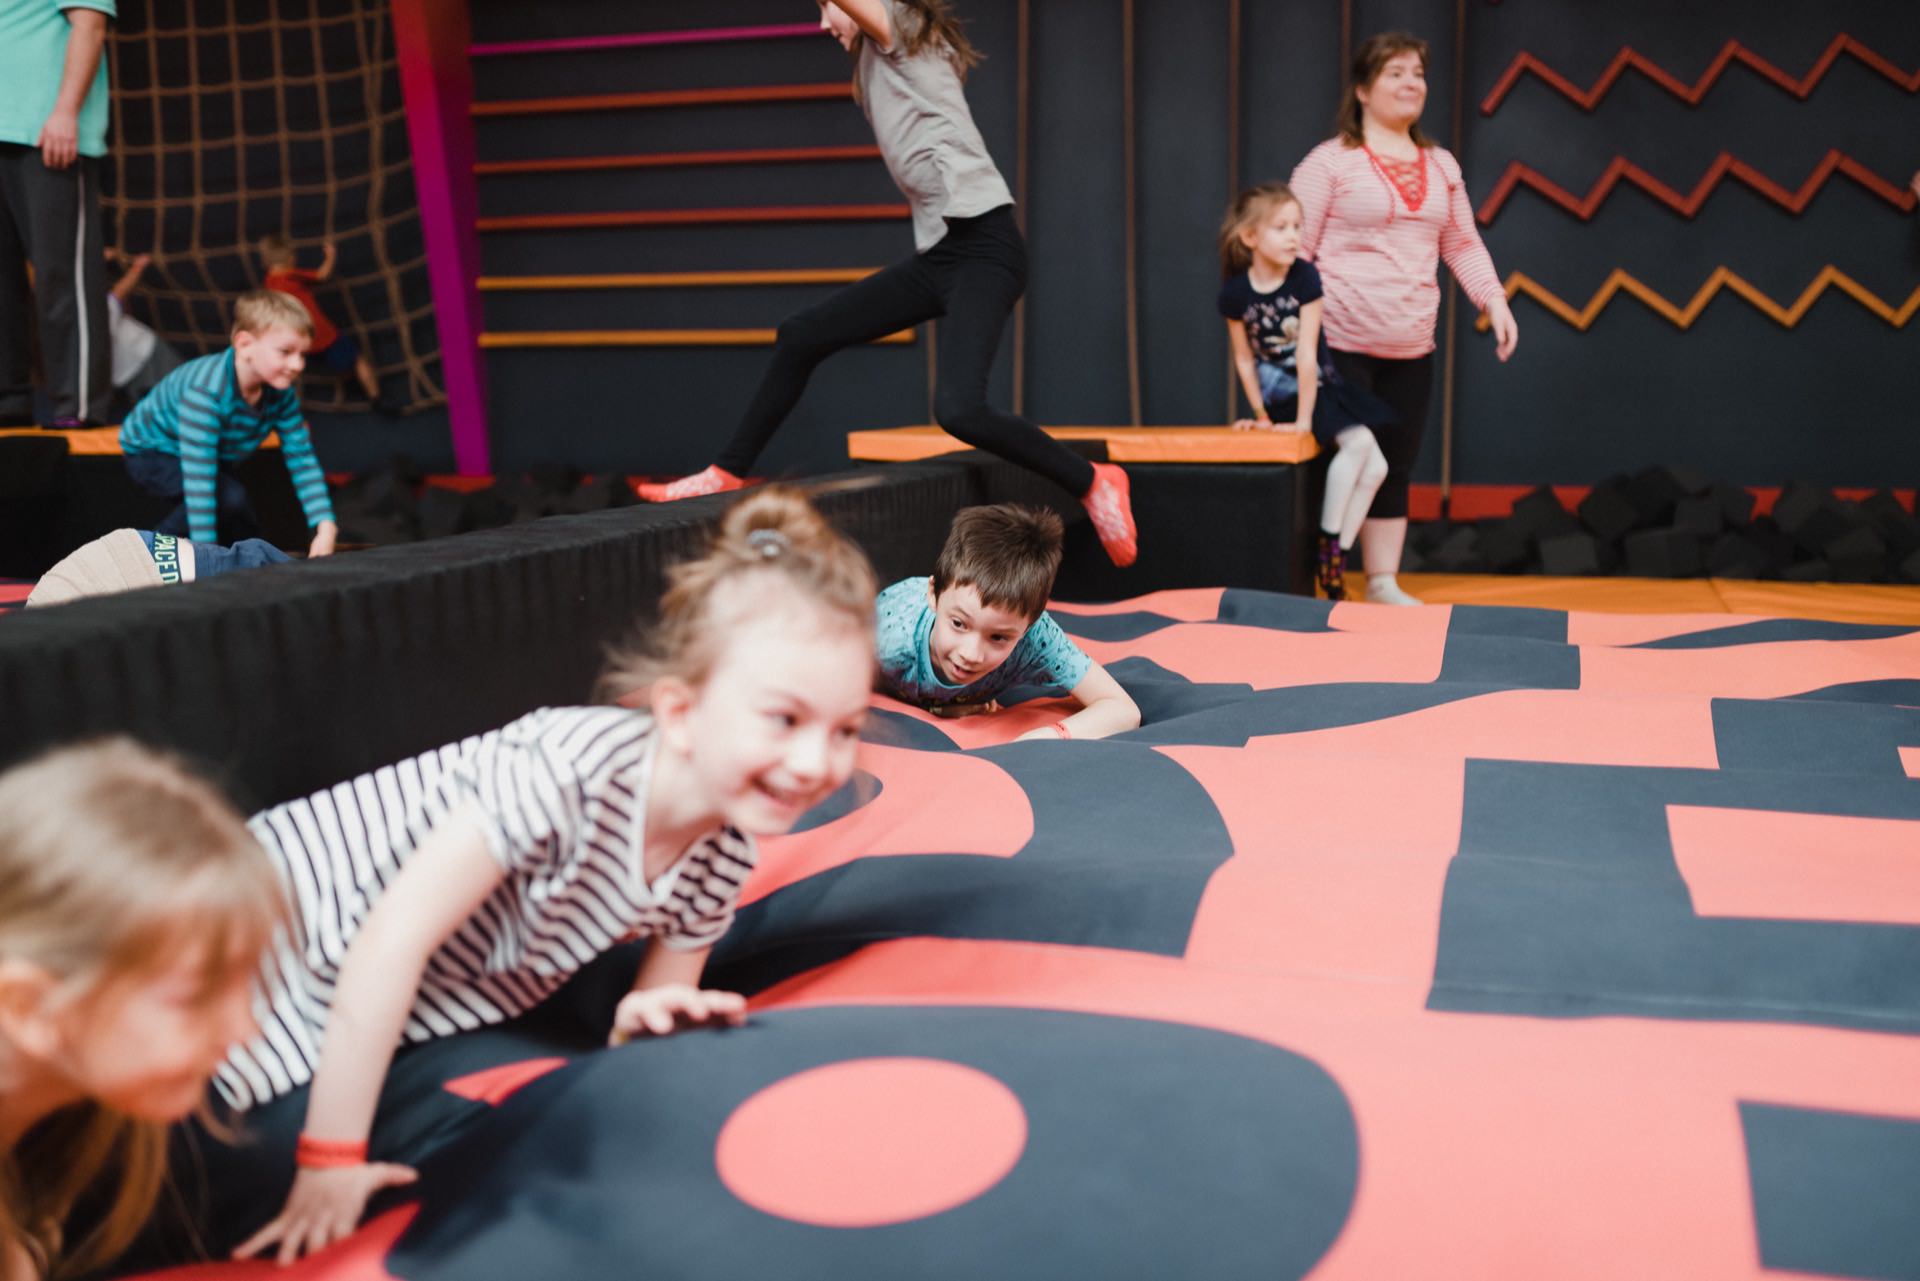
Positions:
{"x": 561, "y": 794}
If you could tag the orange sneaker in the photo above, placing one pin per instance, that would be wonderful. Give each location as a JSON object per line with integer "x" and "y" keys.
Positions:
{"x": 1110, "y": 506}
{"x": 714, "y": 480}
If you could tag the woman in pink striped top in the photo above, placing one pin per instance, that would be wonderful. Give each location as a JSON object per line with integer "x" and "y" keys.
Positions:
{"x": 1382, "y": 205}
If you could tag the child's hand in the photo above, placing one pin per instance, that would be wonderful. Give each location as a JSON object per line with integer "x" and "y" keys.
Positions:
{"x": 1293, "y": 428}
{"x": 657, "y": 1011}
{"x": 324, "y": 535}
{"x": 1253, "y": 424}
{"x": 325, "y": 1206}
{"x": 1045, "y": 734}
{"x": 953, "y": 711}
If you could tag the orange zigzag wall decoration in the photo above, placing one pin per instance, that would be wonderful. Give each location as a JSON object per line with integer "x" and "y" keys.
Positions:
{"x": 1692, "y": 94}
{"x": 1724, "y": 166}
{"x": 1520, "y": 283}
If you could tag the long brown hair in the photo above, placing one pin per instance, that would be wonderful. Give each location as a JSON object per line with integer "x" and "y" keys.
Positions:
{"x": 113, "y": 857}
{"x": 1249, "y": 208}
{"x": 936, "y": 26}
{"x": 772, "y": 540}
{"x": 1368, "y": 62}
{"x": 1010, "y": 554}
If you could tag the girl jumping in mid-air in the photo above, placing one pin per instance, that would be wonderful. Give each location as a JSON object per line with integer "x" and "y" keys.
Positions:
{"x": 1271, "y": 300}
{"x": 911, "y": 57}
{"x": 462, "y": 887}
{"x": 134, "y": 909}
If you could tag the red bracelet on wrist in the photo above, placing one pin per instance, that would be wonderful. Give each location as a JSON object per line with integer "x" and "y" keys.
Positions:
{"x": 1060, "y": 728}
{"x": 328, "y": 1154}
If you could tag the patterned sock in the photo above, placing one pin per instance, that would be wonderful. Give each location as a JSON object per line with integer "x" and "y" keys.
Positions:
{"x": 714, "y": 480}
{"x": 1330, "y": 566}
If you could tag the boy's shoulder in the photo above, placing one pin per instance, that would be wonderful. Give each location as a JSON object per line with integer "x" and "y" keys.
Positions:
{"x": 205, "y": 374}
{"x": 907, "y": 594}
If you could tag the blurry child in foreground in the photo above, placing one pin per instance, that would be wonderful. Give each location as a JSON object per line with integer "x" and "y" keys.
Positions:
{"x": 135, "y": 908}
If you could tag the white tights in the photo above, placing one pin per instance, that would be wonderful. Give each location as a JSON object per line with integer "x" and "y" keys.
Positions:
{"x": 1353, "y": 478}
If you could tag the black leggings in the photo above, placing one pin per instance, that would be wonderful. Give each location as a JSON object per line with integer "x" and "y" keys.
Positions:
{"x": 969, "y": 281}
{"x": 1406, "y": 387}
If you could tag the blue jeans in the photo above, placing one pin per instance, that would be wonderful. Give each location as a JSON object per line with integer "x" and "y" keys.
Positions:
{"x": 249, "y": 553}
{"x": 159, "y": 475}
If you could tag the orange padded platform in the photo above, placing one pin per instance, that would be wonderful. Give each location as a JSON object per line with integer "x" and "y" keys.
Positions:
{"x": 99, "y": 441}
{"x": 1124, "y": 444}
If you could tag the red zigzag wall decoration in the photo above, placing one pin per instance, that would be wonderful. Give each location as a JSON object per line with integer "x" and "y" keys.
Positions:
{"x": 1692, "y": 94}
{"x": 1723, "y": 167}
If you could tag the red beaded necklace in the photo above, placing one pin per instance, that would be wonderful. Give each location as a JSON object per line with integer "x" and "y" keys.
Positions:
{"x": 1408, "y": 177}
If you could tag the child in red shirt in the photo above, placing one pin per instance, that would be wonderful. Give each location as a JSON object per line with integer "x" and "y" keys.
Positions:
{"x": 337, "y": 351}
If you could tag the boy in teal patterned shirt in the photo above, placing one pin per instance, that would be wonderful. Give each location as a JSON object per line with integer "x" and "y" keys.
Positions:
{"x": 978, "y": 628}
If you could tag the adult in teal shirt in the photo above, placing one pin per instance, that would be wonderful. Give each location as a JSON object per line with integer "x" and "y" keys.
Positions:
{"x": 53, "y": 133}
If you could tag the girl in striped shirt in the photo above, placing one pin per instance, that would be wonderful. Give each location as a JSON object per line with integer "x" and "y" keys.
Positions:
{"x": 460, "y": 888}
{"x": 1382, "y": 206}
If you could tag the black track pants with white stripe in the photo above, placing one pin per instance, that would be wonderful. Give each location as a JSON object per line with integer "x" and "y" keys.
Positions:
{"x": 51, "y": 218}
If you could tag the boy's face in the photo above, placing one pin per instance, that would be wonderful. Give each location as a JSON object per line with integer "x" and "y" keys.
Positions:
{"x": 970, "y": 638}
{"x": 276, "y": 356}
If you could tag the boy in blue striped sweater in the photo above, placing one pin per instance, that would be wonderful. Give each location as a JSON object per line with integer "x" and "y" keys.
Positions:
{"x": 185, "y": 436}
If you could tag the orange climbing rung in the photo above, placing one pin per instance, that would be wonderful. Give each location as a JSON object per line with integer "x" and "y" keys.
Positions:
{"x": 684, "y": 217}
{"x": 666, "y": 98}
{"x": 675, "y": 159}
{"x": 679, "y": 279}
{"x": 653, "y": 338}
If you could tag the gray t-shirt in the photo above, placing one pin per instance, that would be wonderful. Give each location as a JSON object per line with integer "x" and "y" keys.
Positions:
{"x": 926, "y": 133}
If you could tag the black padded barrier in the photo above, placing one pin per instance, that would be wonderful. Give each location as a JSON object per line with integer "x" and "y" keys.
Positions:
{"x": 280, "y": 681}
{"x": 285, "y": 679}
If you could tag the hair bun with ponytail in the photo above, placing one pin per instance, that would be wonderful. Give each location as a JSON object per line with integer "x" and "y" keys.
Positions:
{"x": 773, "y": 533}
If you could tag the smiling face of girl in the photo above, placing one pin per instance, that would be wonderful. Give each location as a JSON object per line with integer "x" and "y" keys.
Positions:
{"x": 774, "y": 727}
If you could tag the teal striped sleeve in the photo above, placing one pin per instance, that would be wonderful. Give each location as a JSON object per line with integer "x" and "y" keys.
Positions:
{"x": 296, "y": 447}
{"x": 199, "y": 434}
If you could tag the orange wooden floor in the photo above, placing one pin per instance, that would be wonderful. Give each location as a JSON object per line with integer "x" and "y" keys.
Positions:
{"x": 1840, "y": 602}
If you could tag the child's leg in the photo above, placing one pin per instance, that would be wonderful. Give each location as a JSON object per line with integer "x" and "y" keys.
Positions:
{"x": 981, "y": 290}
{"x": 159, "y": 474}
{"x": 1354, "y": 474}
{"x": 1353, "y": 478}
{"x": 236, "y": 517}
{"x": 980, "y": 298}
{"x": 898, "y": 298}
